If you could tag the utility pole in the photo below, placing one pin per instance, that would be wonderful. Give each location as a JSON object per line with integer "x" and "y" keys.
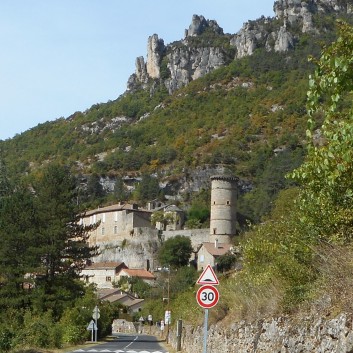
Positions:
{"x": 168, "y": 302}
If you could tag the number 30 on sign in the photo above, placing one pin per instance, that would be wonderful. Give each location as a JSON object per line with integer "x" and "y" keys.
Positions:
{"x": 207, "y": 296}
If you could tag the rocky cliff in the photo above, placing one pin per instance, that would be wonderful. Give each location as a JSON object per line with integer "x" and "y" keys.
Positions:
{"x": 205, "y": 47}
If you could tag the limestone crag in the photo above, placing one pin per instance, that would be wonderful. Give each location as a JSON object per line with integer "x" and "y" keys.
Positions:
{"x": 199, "y": 25}
{"x": 155, "y": 51}
{"x": 205, "y": 47}
{"x": 186, "y": 64}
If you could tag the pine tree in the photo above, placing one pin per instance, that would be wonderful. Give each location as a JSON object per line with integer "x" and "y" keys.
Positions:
{"x": 63, "y": 246}
{"x": 17, "y": 241}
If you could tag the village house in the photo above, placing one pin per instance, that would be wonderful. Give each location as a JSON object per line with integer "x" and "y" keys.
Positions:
{"x": 103, "y": 274}
{"x": 115, "y": 222}
{"x": 173, "y": 218}
{"x": 114, "y": 295}
{"x": 142, "y": 274}
{"x": 209, "y": 252}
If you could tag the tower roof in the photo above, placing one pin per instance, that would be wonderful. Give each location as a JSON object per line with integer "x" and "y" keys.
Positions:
{"x": 230, "y": 178}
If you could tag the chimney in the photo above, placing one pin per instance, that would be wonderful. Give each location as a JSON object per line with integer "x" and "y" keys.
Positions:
{"x": 216, "y": 243}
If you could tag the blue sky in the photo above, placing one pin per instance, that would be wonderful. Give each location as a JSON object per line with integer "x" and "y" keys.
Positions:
{"x": 62, "y": 56}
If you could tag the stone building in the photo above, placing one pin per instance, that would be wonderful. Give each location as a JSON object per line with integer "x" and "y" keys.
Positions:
{"x": 223, "y": 208}
{"x": 103, "y": 274}
{"x": 116, "y": 222}
{"x": 126, "y": 233}
{"x": 209, "y": 252}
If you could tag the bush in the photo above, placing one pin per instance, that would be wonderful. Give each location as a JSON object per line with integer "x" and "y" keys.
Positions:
{"x": 6, "y": 337}
{"x": 40, "y": 331}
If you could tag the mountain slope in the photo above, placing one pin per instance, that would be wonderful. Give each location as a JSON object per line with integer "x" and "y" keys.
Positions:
{"x": 244, "y": 111}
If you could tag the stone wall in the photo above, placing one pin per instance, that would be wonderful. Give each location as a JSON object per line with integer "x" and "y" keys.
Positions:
{"x": 197, "y": 236}
{"x": 136, "y": 251}
{"x": 312, "y": 334}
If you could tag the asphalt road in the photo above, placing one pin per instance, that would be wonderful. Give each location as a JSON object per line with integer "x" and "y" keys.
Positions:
{"x": 127, "y": 343}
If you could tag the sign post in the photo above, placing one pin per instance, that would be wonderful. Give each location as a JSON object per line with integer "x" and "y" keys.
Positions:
{"x": 96, "y": 315}
{"x": 207, "y": 296}
{"x": 92, "y": 327}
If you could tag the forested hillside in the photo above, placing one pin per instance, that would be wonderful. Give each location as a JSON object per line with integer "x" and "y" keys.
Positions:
{"x": 248, "y": 116}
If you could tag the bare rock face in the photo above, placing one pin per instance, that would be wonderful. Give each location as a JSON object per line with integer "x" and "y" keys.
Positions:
{"x": 248, "y": 39}
{"x": 291, "y": 14}
{"x": 155, "y": 50}
{"x": 186, "y": 64}
{"x": 301, "y": 12}
{"x": 285, "y": 40}
{"x": 177, "y": 64}
{"x": 296, "y": 12}
{"x": 199, "y": 24}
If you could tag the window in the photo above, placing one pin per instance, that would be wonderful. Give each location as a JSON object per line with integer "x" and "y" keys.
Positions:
{"x": 202, "y": 258}
{"x": 214, "y": 230}
{"x": 103, "y": 217}
{"x": 116, "y": 216}
{"x": 228, "y": 202}
{"x": 108, "y": 279}
{"x": 115, "y": 229}
{"x": 103, "y": 231}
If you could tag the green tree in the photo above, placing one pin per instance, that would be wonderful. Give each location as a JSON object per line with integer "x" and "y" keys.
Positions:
{"x": 17, "y": 247}
{"x": 94, "y": 190}
{"x": 134, "y": 285}
{"x": 327, "y": 174}
{"x": 199, "y": 212}
{"x": 148, "y": 188}
{"x": 278, "y": 252}
{"x": 121, "y": 192}
{"x": 62, "y": 239}
{"x": 163, "y": 218}
{"x": 226, "y": 262}
{"x": 175, "y": 252}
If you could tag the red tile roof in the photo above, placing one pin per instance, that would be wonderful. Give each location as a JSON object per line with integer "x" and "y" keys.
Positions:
{"x": 105, "y": 265}
{"x": 115, "y": 207}
{"x": 220, "y": 250}
{"x": 141, "y": 273}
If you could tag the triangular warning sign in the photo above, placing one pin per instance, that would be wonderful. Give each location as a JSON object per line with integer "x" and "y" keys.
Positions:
{"x": 208, "y": 277}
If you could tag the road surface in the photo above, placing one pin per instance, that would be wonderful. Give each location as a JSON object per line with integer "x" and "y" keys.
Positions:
{"x": 126, "y": 343}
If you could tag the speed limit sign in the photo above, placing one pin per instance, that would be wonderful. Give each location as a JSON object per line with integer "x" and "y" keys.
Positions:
{"x": 207, "y": 296}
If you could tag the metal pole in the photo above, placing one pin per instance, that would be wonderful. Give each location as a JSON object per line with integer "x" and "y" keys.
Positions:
{"x": 167, "y": 337}
{"x": 179, "y": 332}
{"x": 205, "y": 332}
{"x": 96, "y": 320}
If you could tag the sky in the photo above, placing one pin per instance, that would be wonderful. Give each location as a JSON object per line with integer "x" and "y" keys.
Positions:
{"x": 62, "y": 56}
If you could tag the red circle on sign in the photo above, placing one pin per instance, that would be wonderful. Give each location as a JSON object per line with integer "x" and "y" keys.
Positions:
{"x": 207, "y": 296}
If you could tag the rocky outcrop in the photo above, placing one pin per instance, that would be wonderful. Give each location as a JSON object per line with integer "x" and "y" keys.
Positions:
{"x": 185, "y": 62}
{"x": 199, "y": 25}
{"x": 203, "y": 50}
{"x": 155, "y": 51}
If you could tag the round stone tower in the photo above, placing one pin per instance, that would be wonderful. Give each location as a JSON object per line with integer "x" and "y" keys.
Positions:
{"x": 223, "y": 208}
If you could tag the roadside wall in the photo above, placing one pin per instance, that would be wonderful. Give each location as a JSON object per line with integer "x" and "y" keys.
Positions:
{"x": 283, "y": 335}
